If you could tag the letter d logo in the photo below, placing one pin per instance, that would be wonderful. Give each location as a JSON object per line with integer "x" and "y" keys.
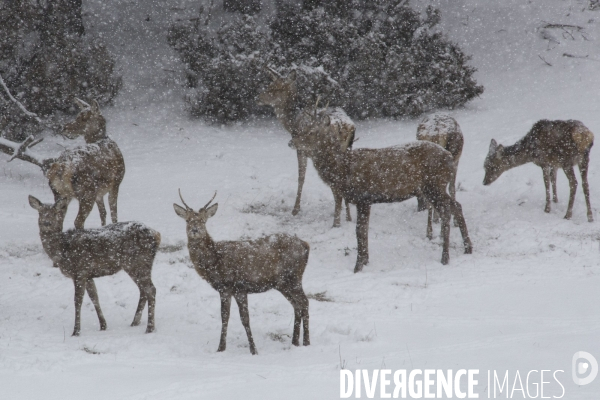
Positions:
{"x": 582, "y": 363}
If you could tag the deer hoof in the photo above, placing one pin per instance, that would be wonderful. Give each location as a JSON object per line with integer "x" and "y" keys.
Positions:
{"x": 103, "y": 327}
{"x": 590, "y": 218}
{"x": 469, "y": 248}
{"x": 295, "y": 211}
{"x": 336, "y": 224}
{"x": 359, "y": 266}
{"x": 547, "y": 209}
{"x": 568, "y": 215}
{"x": 445, "y": 259}
{"x": 75, "y": 333}
{"x": 306, "y": 342}
{"x": 150, "y": 329}
{"x": 296, "y": 342}
{"x": 221, "y": 349}
{"x": 253, "y": 351}
{"x": 135, "y": 323}
{"x": 555, "y": 199}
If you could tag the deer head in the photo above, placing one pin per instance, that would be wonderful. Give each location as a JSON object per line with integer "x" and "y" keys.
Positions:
{"x": 51, "y": 216}
{"x": 196, "y": 221}
{"x": 281, "y": 91}
{"x": 89, "y": 123}
{"x": 495, "y": 163}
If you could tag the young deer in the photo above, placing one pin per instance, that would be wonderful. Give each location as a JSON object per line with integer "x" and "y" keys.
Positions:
{"x": 87, "y": 172}
{"x": 550, "y": 145}
{"x": 282, "y": 95}
{"x": 85, "y": 254}
{"x": 237, "y": 268}
{"x": 388, "y": 175}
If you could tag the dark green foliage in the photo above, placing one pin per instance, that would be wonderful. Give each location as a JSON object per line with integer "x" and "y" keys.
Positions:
{"x": 46, "y": 61}
{"x": 384, "y": 59}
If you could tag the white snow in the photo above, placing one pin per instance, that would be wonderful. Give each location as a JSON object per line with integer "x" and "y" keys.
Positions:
{"x": 527, "y": 298}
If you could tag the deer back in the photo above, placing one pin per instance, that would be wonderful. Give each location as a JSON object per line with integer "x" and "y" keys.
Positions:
{"x": 396, "y": 173}
{"x": 105, "y": 251}
{"x": 443, "y": 130}
{"x": 89, "y": 168}
{"x": 262, "y": 264}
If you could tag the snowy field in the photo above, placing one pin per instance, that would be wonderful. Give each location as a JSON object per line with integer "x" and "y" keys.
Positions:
{"x": 527, "y": 298}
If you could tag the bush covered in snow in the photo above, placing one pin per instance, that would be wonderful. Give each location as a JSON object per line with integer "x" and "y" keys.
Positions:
{"x": 387, "y": 59}
{"x": 46, "y": 61}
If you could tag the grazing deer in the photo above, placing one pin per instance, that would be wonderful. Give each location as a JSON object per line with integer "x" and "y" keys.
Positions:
{"x": 388, "y": 175}
{"x": 550, "y": 145}
{"x": 85, "y": 254}
{"x": 282, "y": 95}
{"x": 87, "y": 172}
{"x": 237, "y": 268}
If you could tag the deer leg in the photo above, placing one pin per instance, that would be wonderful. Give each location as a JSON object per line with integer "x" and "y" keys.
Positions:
{"x": 570, "y": 173}
{"x": 547, "y": 171}
{"x": 553, "y": 177}
{"x": 459, "y": 219}
{"x": 85, "y": 207}
{"x": 113, "y": 194}
{"x": 225, "y": 309}
{"x": 297, "y": 316}
{"x": 348, "y": 214}
{"x": 303, "y": 303}
{"x": 141, "y": 303}
{"x": 337, "y": 197}
{"x": 429, "y": 218}
{"x": 301, "y": 175}
{"x": 151, "y": 295}
{"x": 242, "y": 302}
{"x": 93, "y": 293}
{"x": 362, "y": 235}
{"x": 583, "y": 168}
{"x": 101, "y": 209}
{"x": 80, "y": 284}
{"x": 452, "y": 189}
{"x": 422, "y": 203}
{"x": 441, "y": 202}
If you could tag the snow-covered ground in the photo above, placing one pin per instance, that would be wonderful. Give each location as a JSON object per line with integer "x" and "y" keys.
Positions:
{"x": 527, "y": 298}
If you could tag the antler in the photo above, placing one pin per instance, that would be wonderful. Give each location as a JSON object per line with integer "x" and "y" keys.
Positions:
{"x": 274, "y": 73}
{"x": 206, "y": 205}
{"x": 183, "y": 201}
{"x": 317, "y": 106}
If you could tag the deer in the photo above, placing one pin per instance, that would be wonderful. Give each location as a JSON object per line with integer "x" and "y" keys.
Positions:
{"x": 85, "y": 254}
{"x": 282, "y": 95}
{"x": 86, "y": 173}
{"x": 387, "y": 175}
{"x": 442, "y": 130}
{"x": 550, "y": 145}
{"x": 239, "y": 268}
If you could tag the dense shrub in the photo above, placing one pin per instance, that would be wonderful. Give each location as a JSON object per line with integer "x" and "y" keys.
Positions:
{"x": 46, "y": 61}
{"x": 387, "y": 59}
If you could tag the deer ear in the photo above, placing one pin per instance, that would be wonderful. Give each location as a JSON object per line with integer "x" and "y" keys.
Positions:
{"x": 212, "y": 210}
{"x": 35, "y": 203}
{"x": 182, "y": 212}
{"x": 493, "y": 146}
{"x": 292, "y": 76}
{"x": 95, "y": 106}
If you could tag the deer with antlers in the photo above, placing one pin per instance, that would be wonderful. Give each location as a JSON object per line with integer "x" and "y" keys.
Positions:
{"x": 282, "y": 95}
{"x": 393, "y": 174}
{"x": 86, "y": 173}
{"x": 550, "y": 145}
{"x": 239, "y": 268}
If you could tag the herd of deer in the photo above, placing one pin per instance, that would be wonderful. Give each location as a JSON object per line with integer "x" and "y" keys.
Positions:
{"x": 425, "y": 169}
